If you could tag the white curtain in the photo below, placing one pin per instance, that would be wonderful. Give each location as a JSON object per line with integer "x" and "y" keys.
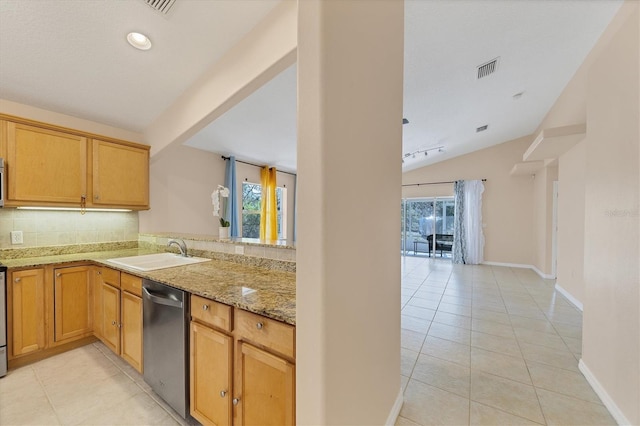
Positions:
{"x": 468, "y": 239}
{"x": 473, "y": 190}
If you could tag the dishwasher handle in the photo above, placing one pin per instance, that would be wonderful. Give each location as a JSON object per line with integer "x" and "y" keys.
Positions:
{"x": 161, "y": 299}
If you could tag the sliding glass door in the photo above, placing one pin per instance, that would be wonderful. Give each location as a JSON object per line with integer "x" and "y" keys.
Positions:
{"x": 421, "y": 219}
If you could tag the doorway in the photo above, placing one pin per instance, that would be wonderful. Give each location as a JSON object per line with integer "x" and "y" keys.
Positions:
{"x": 421, "y": 219}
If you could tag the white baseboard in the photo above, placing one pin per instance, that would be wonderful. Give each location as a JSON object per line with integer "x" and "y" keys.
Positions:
{"x": 542, "y": 274}
{"x": 521, "y": 265}
{"x": 395, "y": 410}
{"x": 615, "y": 412}
{"x": 508, "y": 265}
{"x": 570, "y": 298}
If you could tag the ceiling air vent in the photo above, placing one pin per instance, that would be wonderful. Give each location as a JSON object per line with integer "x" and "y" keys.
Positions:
{"x": 487, "y": 68}
{"x": 482, "y": 128}
{"x": 162, "y": 6}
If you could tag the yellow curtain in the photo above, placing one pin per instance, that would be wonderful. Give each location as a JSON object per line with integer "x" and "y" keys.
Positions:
{"x": 268, "y": 214}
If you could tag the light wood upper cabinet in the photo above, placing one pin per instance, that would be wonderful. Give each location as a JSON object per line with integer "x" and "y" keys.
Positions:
{"x": 25, "y": 291}
{"x": 45, "y": 165}
{"x": 120, "y": 175}
{"x": 54, "y": 166}
{"x": 210, "y": 375}
{"x": 72, "y": 302}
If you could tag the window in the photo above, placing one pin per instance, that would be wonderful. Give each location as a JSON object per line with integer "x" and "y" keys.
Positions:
{"x": 251, "y": 205}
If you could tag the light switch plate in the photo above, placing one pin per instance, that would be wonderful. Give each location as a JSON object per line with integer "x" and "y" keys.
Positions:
{"x": 239, "y": 249}
{"x": 16, "y": 237}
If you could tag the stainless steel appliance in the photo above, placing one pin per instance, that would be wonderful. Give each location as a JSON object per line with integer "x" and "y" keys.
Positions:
{"x": 165, "y": 332}
{"x": 2, "y": 196}
{"x": 3, "y": 320}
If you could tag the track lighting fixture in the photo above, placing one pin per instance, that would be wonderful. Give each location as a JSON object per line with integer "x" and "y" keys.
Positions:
{"x": 420, "y": 151}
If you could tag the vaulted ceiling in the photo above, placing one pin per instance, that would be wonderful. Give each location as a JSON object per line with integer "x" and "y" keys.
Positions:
{"x": 72, "y": 57}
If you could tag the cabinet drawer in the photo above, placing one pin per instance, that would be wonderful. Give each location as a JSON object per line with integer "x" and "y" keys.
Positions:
{"x": 111, "y": 277}
{"x": 269, "y": 333}
{"x": 211, "y": 312}
{"x": 131, "y": 283}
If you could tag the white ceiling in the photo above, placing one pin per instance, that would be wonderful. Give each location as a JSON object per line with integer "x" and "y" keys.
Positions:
{"x": 72, "y": 57}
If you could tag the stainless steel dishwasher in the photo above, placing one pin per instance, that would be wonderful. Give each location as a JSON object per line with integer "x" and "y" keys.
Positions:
{"x": 165, "y": 334}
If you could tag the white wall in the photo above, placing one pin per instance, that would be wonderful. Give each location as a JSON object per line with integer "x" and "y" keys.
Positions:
{"x": 348, "y": 264}
{"x": 181, "y": 181}
{"x": 611, "y": 337}
{"x": 571, "y": 182}
{"x": 542, "y": 218}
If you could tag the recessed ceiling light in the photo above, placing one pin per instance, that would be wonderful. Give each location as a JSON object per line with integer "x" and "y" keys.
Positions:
{"x": 139, "y": 41}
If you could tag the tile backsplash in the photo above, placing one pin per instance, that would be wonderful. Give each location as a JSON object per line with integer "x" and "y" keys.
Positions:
{"x": 54, "y": 228}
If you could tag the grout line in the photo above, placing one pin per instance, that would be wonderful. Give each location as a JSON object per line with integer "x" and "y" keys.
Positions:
{"x": 46, "y": 394}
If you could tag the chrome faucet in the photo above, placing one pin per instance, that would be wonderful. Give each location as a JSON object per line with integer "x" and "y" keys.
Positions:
{"x": 181, "y": 245}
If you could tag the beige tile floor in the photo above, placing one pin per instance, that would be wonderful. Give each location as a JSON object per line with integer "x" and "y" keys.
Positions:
{"x": 85, "y": 386}
{"x": 480, "y": 345}
{"x": 484, "y": 345}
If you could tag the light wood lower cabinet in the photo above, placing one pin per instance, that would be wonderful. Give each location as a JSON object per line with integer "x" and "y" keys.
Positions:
{"x": 211, "y": 366}
{"x": 131, "y": 330}
{"x": 265, "y": 388}
{"x": 111, "y": 317}
{"x": 26, "y": 310}
{"x": 242, "y": 371}
{"x": 118, "y": 310}
{"x": 72, "y": 302}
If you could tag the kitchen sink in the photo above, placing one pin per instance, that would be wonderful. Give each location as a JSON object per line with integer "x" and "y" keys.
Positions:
{"x": 151, "y": 262}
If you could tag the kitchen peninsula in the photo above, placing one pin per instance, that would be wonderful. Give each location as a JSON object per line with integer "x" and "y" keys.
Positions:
{"x": 242, "y": 316}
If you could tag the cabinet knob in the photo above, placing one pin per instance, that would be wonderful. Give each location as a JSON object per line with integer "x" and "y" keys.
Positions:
{"x": 223, "y": 394}
{"x": 119, "y": 325}
{"x": 113, "y": 323}
{"x": 97, "y": 197}
{"x": 18, "y": 279}
{"x": 259, "y": 326}
{"x": 58, "y": 274}
{"x": 205, "y": 307}
{"x": 99, "y": 272}
{"x": 235, "y": 401}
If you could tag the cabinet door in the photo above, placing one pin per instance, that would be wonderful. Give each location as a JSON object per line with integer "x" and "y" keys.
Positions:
{"x": 131, "y": 331}
{"x": 265, "y": 393}
{"x": 27, "y": 311}
{"x": 97, "y": 302}
{"x": 111, "y": 317}
{"x": 72, "y": 297}
{"x": 120, "y": 175}
{"x": 45, "y": 165}
{"x": 210, "y": 375}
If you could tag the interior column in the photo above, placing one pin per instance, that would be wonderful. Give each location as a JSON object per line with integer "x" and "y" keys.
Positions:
{"x": 350, "y": 83}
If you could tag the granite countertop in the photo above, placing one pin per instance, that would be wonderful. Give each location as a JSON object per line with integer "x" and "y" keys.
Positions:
{"x": 263, "y": 291}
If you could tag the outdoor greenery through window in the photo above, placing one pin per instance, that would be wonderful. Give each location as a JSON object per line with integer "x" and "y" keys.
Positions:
{"x": 251, "y": 204}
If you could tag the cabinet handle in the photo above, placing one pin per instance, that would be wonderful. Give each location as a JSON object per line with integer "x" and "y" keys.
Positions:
{"x": 18, "y": 279}
{"x": 205, "y": 307}
{"x": 223, "y": 394}
{"x": 83, "y": 204}
{"x": 259, "y": 326}
{"x": 235, "y": 401}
